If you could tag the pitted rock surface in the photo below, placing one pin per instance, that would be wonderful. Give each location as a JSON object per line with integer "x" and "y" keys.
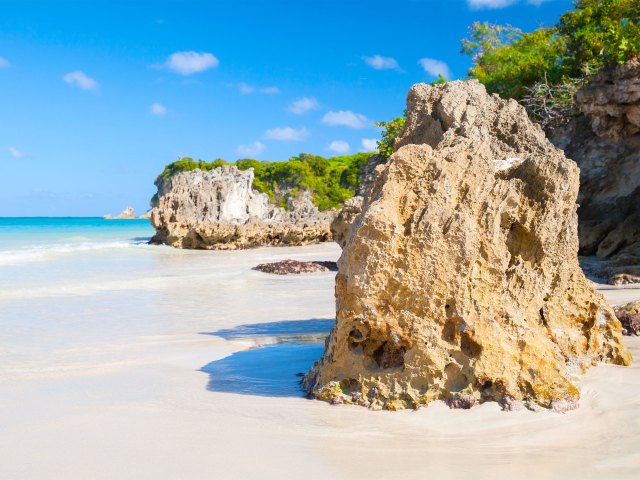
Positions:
{"x": 460, "y": 278}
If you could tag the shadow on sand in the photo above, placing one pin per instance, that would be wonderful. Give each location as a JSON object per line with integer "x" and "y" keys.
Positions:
{"x": 273, "y": 369}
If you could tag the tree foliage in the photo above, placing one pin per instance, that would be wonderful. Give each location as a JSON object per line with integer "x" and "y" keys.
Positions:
{"x": 390, "y": 131}
{"x": 331, "y": 181}
{"x": 593, "y": 34}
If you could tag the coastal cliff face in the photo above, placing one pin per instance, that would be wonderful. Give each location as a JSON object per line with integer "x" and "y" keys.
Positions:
{"x": 459, "y": 280}
{"x": 220, "y": 210}
{"x": 605, "y": 143}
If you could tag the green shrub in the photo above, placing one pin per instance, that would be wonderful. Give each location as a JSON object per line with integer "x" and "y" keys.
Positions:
{"x": 390, "y": 132}
{"x": 595, "y": 33}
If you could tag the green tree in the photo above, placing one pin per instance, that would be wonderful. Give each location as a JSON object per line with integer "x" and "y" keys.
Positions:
{"x": 593, "y": 34}
{"x": 600, "y": 31}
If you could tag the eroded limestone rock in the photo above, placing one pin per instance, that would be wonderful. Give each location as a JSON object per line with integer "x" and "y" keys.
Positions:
{"x": 219, "y": 210}
{"x": 460, "y": 279}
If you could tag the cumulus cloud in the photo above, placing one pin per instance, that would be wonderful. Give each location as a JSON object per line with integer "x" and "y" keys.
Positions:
{"x": 251, "y": 150}
{"x": 346, "y": 118}
{"x": 339, "y": 146}
{"x": 302, "y": 105}
{"x": 381, "y": 63}
{"x": 478, "y": 4}
{"x": 369, "y": 144}
{"x": 16, "y": 154}
{"x": 286, "y": 134}
{"x": 81, "y": 80}
{"x": 4, "y": 63}
{"x": 435, "y": 67}
{"x": 158, "y": 109}
{"x": 188, "y": 63}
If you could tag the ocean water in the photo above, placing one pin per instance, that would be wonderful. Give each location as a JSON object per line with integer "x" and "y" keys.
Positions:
{"x": 83, "y": 293}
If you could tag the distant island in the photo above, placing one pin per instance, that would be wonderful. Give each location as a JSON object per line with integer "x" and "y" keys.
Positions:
{"x": 128, "y": 213}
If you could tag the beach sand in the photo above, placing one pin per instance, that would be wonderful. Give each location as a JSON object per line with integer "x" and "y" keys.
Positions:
{"x": 89, "y": 400}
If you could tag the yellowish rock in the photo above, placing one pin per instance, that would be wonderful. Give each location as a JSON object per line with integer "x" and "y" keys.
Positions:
{"x": 460, "y": 279}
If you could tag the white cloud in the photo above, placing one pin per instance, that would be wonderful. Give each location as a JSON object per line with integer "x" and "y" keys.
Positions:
{"x": 346, "y": 118}
{"x": 435, "y": 67}
{"x": 158, "y": 109}
{"x": 270, "y": 90}
{"x": 81, "y": 80}
{"x": 4, "y": 63}
{"x": 369, "y": 144}
{"x": 188, "y": 63}
{"x": 339, "y": 146}
{"x": 477, "y": 4}
{"x": 537, "y": 3}
{"x": 303, "y": 105}
{"x": 15, "y": 153}
{"x": 381, "y": 63}
{"x": 251, "y": 150}
{"x": 286, "y": 134}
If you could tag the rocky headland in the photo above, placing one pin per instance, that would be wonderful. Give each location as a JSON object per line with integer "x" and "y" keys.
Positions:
{"x": 219, "y": 209}
{"x": 459, "y": 277}
{"x": 605, "y": 143}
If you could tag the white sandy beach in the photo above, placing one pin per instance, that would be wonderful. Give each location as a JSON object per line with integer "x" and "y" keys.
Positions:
{"x": 101, "y": 379}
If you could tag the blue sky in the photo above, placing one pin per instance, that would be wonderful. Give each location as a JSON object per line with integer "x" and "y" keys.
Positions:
{"x": 96, "y": 97}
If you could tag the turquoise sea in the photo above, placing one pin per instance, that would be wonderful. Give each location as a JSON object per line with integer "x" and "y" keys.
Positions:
{"x": 30, "y": 238}
{"x": 78, "y": 293}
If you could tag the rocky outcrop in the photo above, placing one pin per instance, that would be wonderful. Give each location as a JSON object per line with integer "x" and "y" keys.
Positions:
{"x": 295, "y": 267}
{"x": 460, "y": 279}
{"x": 341, "y": 225}
{"x": 611, "y": 101}
{"x": 127, "y": 214}
{"x": 605, "y": 143}
{"x": 629, "y": 316}
{"x": 220, "y": 210}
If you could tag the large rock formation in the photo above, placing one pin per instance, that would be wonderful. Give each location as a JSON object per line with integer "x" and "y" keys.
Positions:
{"x": 460, "y": 279}
{"x": 220, "y": 210}
{"x": 605, "y": 143}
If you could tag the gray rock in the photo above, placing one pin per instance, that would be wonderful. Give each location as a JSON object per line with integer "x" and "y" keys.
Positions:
{"x": 220, "y": 210}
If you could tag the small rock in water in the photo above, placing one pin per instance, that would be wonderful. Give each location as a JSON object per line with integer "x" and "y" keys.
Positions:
{"x": 287, "y": 267}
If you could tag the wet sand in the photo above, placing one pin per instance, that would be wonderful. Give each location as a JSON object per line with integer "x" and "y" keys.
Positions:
{"x": 142, "y": 402}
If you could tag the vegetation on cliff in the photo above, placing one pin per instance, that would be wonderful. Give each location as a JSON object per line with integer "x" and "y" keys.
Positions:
{"x": 545, "y": 68}
{"x": 595, "y": 33}
{"x": 331, "y": 180}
